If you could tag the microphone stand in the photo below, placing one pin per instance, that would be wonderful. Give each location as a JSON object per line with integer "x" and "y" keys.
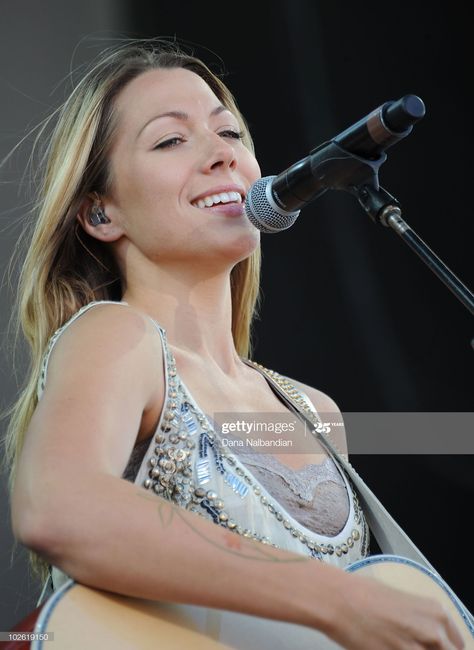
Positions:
{"x": 332, "y": 167}
{"x": 384, "y": 209}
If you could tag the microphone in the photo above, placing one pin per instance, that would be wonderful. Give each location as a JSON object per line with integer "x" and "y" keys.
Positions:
{"x": 273, "y": 203}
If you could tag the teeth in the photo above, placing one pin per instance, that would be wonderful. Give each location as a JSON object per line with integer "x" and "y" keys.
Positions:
{"x": 223, "y": 197}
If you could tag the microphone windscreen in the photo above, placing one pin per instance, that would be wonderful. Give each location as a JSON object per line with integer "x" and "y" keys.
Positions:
{"x": 262, "y": 210}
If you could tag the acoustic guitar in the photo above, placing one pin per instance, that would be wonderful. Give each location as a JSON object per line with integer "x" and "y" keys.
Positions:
{"x": 77, "y": 617}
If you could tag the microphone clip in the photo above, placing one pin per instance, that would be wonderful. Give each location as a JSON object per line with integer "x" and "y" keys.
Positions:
{"x": 328, "y": 167}
{"x": 339, "y": 169}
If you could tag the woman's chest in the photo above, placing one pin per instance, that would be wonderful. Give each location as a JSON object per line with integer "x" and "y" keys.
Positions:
{"x": 191, "y": 465}
{"x": 251, "y": 417}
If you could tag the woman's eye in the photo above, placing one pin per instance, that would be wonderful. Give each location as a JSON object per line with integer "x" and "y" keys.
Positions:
{"x": 175, "y": 141}
{"x": 172, "y": 142}
{"x": 230, "y": 133}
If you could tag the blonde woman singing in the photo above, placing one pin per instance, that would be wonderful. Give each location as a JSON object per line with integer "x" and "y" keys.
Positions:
{"x": 137, "y": 296}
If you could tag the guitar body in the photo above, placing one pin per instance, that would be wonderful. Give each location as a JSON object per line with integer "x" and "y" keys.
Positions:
{"x": 81, "y": 617}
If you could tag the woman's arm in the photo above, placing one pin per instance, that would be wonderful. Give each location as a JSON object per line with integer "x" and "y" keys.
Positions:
{"x": 70, "y": 505}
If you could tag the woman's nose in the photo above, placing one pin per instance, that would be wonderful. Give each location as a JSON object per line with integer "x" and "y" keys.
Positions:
{"x": 220, "y": 154}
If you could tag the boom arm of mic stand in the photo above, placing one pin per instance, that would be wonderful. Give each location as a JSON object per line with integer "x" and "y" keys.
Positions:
{"x": 384, "y": 208}
{"x": 329, "y": 166}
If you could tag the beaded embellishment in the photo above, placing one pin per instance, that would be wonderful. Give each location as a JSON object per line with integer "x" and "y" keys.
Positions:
{"x": 170, "y": 471}
{"x": 295, "y": 396}
{"x": 186, "y": 437}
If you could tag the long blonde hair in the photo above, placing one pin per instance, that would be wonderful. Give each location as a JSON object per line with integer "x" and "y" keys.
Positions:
{"x": 64, "y": 268}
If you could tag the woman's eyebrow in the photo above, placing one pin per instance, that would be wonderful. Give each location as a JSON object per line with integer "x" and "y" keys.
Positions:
{"x": 181, "y": 115}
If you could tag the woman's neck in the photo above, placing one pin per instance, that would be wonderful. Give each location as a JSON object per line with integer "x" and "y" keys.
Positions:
{"x": 194, "y": 309}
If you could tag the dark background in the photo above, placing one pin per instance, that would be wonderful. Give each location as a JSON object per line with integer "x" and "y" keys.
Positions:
{"x": 347, "y": 307}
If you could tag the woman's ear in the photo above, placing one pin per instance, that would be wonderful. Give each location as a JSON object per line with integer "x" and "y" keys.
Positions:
{"x": 95, "y": 222}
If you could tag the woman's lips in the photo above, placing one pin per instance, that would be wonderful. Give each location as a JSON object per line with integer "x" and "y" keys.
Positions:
{"x": 229, "y": 209}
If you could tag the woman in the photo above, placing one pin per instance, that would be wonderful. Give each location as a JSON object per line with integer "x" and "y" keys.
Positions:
{"x": 141, "y": 207}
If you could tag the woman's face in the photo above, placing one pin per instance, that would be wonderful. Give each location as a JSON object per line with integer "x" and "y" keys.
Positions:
{"x": 180, "y": 172}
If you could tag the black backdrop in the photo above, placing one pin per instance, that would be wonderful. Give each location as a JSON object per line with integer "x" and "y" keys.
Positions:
{"x": 347, "y": 307}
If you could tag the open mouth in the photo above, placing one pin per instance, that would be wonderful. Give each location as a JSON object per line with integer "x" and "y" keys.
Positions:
{"x": 216, "y": 199}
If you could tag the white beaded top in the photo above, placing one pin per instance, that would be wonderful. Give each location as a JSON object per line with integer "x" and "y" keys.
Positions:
{"x": 313, "y": 510}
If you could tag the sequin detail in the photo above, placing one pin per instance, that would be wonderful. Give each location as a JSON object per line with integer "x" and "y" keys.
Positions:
{"x": 171, "y": 472}
{"x": 174, "y": 469}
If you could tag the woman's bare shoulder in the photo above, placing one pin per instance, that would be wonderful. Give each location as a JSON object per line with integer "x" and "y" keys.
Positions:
{"x": 104, "y": 385}
{"x": 107, "y": 327}
{"x": 108, "y": 342}
{"x": 106, "y": 321}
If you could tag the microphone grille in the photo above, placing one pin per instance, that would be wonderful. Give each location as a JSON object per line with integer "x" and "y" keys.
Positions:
{"x": 262, "y": 210}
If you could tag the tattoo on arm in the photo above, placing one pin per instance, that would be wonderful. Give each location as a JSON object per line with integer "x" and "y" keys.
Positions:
{"x": 231, "y": 542}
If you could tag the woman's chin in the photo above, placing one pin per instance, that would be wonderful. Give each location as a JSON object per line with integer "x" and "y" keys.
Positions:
{"x": 242, "y": 247}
